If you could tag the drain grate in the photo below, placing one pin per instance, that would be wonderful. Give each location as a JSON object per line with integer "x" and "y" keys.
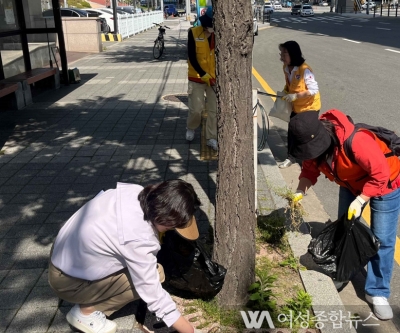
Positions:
{"x": 178, "y": 98}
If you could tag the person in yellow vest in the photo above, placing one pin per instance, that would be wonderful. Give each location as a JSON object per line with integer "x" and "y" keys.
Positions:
{"x": 201, "y": 74}
{"x": 301, "y": 88}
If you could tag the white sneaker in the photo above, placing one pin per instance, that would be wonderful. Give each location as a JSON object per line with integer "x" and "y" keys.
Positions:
{"x": 213, "y": 144}
{"x": 96, "y": 322}
{"x": 189, "y": 134}
{"x": 381, "y": 307}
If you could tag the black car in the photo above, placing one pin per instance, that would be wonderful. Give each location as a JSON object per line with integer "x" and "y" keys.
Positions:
{"x": 296, "y": 10}
{"x": 74, "y": 12}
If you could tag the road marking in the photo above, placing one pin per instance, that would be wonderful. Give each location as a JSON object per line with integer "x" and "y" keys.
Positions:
{"x": 349, "y": 40}
{"x": 384, "y": 23}
{"x": 263, "y": 83}
{"x": 367, "y": 217}
{"x": 355, "y": 25}
{"x": 392, "y": 50}
{"x": 383, "y": 28}
{"x": 321, "y": 34}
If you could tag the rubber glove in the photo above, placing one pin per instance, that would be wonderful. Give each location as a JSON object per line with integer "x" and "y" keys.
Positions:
{"x": 206, "y": 78}
{"x": 290, "y": 97}
{"x": 355, "y": 208}
{"x": 298, "y": 196}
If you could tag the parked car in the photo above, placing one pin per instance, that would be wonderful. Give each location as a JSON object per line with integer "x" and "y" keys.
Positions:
{"x": 74, "y": 12}
{"x": 171, "y": 10}
{"x": 372, "y": 5}
{"x": 323, "y": 3}
{"x": 306, "y": 10}
{"x": 277, "y": 6}
{"x": 268, "y": 9}
{"x": 108, "y": 17}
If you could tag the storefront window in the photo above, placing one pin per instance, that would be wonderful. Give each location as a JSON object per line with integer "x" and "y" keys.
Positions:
{"x": 33, "y": 11}
{"x": 8, "y": 15}
{"x": 12, "y": 56}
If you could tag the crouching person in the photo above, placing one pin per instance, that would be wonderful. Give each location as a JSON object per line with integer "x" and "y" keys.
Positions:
{"x": 104, "y": 257}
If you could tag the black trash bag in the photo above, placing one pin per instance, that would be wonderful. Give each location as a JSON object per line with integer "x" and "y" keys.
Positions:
{"x": 342, "y": 248}
{"x": 188, "y": 267}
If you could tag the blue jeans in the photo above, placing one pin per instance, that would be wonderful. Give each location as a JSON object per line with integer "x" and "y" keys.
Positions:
{"x": 384, "y": 216}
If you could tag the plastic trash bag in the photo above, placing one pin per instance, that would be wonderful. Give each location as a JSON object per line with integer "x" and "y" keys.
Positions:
{"x": 188, "y": 267}
{"x": 342, "y": 248}
{"x": 281, "y": 109}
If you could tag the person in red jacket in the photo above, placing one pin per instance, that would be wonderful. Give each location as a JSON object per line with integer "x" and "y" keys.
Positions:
{"x": 372, "y": 178}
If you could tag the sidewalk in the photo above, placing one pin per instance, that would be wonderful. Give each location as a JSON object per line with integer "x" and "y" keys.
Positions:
{"x": 70, "y": 144}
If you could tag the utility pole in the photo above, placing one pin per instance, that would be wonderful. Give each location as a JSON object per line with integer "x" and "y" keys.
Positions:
{"x": 188, "y": 10}
{"x": 65, "y": 4}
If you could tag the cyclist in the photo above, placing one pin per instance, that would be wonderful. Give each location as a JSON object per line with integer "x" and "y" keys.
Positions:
{"x": 201, "y": 75}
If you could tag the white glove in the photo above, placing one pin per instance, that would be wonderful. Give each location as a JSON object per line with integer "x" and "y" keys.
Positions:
{"x": 298, "y": 196}
{"x": 355, "y": 208}
{"x": 290, "y": 97}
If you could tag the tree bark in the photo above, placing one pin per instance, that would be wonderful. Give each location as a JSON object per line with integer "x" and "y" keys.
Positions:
{"x": 235, "y": 204}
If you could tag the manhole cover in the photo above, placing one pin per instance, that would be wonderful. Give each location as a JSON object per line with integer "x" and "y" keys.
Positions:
{"x": 178, "y": 98}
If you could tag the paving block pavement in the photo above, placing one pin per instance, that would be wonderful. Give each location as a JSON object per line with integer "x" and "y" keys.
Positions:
{"x": 58, "y": 153}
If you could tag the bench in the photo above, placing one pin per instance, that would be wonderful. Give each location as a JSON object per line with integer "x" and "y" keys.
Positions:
{"x": 31, "y": 77}
{"x": 12, "y": 94}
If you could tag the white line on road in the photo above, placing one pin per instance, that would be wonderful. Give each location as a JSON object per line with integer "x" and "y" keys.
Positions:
{"x": 392, "y": 50}
{"x": 355, "y": 25}
{"x": 349, "y": 40}
{"x": 321, "y": 34}
{"x": 383, "y": 28}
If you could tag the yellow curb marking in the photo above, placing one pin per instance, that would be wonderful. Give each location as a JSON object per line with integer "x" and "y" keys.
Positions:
{"x": 367, "y": 211}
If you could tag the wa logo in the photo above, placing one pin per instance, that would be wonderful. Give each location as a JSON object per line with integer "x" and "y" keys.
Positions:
{"x": 254, "y": 320}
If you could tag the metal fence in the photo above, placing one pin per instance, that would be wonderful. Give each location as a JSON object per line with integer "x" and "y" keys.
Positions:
{"x": 133, "y": 24}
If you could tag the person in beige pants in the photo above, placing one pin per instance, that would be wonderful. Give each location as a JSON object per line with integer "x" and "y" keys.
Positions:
{"x": 104, "y": 257}
{"x": 201, "y": 75}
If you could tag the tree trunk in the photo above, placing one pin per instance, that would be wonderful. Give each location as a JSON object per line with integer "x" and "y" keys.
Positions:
{"x": 235, "y": 206}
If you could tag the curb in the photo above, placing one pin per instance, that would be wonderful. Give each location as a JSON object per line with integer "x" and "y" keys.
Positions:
{"x": 111, "y": 37}
{"x": 324, "y": 294}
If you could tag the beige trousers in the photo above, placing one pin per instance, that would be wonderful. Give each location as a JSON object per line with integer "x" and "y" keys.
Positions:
{"x": 106, "y": 295}
{"x": 196, "y": 106}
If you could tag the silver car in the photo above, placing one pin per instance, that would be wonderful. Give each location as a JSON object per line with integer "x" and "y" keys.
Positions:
{"x": 306, "y": 10}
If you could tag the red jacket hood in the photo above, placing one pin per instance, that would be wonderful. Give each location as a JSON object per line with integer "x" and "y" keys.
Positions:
{"x": 343, "y": 126}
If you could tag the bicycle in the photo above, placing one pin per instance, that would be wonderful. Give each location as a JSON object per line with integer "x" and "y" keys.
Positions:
{"x": 158, "y": 47}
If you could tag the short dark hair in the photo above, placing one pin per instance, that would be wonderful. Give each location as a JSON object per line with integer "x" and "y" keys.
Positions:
{"x": 296, "y": 57}
{"x": 171, "y": 203}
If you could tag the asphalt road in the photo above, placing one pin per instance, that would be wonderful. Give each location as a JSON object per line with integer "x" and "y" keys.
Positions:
{"x": 356, "y": 61}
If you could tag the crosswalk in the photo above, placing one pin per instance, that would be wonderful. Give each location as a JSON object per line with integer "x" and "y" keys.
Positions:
{"x": 322, "y": 19}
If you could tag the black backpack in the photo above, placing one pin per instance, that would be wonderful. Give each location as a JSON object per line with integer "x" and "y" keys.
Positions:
{"x": 387, "y": 136}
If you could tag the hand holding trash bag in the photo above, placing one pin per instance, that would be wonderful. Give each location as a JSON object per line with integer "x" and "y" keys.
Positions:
{"x": 343, "y": 247}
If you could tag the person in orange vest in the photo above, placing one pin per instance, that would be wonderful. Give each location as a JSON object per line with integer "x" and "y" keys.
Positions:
{"x": 301, "y": 88}
{"x": 201, "y": 75}
{"x": 371, "y": 177}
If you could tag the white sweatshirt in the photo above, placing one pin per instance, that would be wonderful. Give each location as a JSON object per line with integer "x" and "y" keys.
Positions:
{"x": 108, "y": 234}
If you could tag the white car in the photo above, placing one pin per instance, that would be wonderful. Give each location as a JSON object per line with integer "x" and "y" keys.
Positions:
{"x": 372, "y": 5}
{"x": 306, "y": 10}
{"x": 324, "y": 4}
{"x": 277, "y": 6}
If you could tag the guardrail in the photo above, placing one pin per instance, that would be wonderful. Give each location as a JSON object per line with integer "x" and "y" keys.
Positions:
{"x": 130, "y": 25}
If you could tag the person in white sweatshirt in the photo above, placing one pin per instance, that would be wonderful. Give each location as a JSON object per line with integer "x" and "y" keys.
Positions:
{"x": 104, "y": 257}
